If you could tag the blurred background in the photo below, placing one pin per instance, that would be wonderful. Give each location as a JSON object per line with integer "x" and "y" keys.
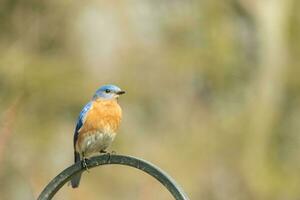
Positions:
{"x": 213, "y": 95}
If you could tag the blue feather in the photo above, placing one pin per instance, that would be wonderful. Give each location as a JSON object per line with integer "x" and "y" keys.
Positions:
{"x": 81, "y": 119}
{"x": 76, "y": 178}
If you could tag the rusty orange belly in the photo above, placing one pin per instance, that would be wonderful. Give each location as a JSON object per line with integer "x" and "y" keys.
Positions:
{"x": 99, "y": 127}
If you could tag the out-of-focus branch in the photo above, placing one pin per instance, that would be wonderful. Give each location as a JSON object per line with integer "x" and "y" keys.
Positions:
{"x": 270, "y": 19}
{"x": 7, "y": 124}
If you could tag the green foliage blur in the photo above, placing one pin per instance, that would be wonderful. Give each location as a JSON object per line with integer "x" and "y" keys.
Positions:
{"x": 213, "y": 95}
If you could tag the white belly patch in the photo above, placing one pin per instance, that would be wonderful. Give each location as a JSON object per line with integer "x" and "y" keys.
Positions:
{"x": 94, "y": 143}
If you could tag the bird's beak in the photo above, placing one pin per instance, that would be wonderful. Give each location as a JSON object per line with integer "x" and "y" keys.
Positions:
{"x": 121, "y": 92}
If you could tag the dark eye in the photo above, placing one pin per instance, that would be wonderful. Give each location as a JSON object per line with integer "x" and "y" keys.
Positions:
{"x": 107, "y": 90}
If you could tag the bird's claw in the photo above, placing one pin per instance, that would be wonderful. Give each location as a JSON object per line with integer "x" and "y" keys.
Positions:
{"x": 103, "y": 151}
{"x": 108, "y": 154}
{"x": 84, "y": 164}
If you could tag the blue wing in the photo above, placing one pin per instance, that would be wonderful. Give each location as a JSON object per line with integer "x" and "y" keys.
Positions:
{"x": 81, "y": 120}
{"x": 76, "y": 179}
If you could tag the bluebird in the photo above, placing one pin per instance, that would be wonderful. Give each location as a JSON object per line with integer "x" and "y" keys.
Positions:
{"x": 97, "y": 125}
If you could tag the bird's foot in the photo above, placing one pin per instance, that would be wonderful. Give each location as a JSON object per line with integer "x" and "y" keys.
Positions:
{"x": 84, "y": 164}
{"x": 108, "y": 154}
{"x": 104, "y": 151}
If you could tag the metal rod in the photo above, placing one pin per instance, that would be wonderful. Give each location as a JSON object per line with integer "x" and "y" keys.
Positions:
{"x": 66, "y": 175}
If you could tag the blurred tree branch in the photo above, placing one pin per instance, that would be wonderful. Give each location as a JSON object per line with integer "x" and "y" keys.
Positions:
{"x": 271, "y": 18}
{"x": 7, "y": 124}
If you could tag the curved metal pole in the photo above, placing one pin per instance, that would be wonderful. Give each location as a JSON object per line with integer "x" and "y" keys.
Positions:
{"x": 66, "y": 175}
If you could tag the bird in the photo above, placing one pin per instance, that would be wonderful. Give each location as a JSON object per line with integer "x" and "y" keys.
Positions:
{"x": 96, "y": 126}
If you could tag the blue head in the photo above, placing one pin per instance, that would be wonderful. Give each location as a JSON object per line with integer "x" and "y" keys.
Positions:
{"x": 107, "y": 92}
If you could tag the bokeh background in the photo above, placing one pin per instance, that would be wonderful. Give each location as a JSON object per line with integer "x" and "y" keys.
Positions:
{"x": 213, "y": 95}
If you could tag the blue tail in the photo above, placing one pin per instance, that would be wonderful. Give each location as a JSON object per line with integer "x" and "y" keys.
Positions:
{"x": 76, "y": 178}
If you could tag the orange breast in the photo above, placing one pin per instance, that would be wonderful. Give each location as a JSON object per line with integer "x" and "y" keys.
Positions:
{"x": 104, "y": 116}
